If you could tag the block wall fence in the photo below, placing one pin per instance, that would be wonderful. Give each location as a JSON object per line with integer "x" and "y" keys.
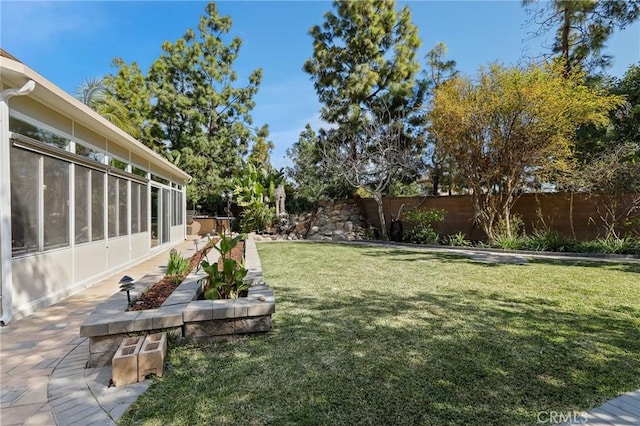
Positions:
{"x": 577, "y": 218}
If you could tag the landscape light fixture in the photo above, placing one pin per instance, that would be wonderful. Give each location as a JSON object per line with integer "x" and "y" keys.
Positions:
{"x": 126, "y": 284}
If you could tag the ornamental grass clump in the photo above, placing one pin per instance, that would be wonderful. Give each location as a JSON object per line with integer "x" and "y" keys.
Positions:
{"x": 177, "y": 266}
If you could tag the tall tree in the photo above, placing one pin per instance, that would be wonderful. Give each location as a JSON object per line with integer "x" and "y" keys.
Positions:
{"x": 199, "y": 112}
{"x": 91, "y": 91}
{"x": 437, "y": 71}
{"x": 308, "y": 171}
{"x": 129, "y": 88}
{"x": 364, "y": 59}
{"x": 513, "y": 128}
{"x": 94, "y": 93}
{"x": 581, "y": 27}
{"x": 364, "y": 70}
{"x": 261, "y": 149}
{"x": 375, "y": 157}
{"x": 609, "y": 160}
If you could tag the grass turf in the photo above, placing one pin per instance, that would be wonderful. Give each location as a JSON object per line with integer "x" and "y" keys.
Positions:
{"x": 397, "y": 336}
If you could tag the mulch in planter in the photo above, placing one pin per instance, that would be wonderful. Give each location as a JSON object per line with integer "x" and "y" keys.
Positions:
{"x": 155, "y": 296}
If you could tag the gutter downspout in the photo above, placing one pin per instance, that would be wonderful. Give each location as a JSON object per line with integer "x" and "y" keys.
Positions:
{"x": 5, "y": 199}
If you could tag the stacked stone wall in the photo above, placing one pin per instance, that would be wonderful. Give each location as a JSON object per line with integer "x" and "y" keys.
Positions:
{"x": 340, "y": 220}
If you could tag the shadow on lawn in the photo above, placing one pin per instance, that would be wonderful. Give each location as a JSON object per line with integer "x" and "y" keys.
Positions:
{"x": 407, "y": 255}
{"x": 468, "y": 357}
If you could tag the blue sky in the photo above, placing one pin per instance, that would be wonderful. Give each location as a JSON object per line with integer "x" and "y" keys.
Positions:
{"x": 67, "y": 42}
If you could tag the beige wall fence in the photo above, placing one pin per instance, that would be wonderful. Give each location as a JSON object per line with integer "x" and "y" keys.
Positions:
{"x": 574, "y": 215}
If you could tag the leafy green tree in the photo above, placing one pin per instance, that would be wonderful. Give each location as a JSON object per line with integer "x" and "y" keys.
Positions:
{"x": 261, "y": 149}
{"x": 364, "y": 71}
{"x": 513, "y": 127}
{"x": 364, "y": 60}
{"x": 581, "y": 27}
{"x": 94, "y": 93}
{"x": 130, "y": 89}
{"x": 308, "y": 171}
{"x": 626, "y": 121}
{"x": 609, "y": 159}
{"x": 438, "y": 71}
{"x": 191, "y": 107}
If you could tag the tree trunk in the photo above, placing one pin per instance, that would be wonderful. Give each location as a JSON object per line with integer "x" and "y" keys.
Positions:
{"x": 564, "y": 38}
{"x": 436, "y": 182}
{"x": 573, "y": 231}
{"x": 383, "y": 223}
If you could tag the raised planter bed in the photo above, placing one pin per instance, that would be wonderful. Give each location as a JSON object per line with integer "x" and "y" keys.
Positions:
{"x": 181, "y": 315}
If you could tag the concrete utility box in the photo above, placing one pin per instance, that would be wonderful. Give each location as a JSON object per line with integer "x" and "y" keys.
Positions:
{"x": 152, "y": 355}
{"x": 124, "y": 365}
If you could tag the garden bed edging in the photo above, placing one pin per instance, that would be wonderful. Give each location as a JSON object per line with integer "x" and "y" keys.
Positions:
{"x": 181, "y": 315}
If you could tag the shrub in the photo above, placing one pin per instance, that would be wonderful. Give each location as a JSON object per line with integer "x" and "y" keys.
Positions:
{"x": 422, "y": 231}
{"x": 256, "y": 217}
{"x": 508, "y": 240}
{"x": 458, "y": 240}
{"x": 371, "y": 233}
{"x": 177, "y": 266}
{"x": 612, "y": 245}
{"x": 547, "y": 240}
{"x": 227, "y": 283}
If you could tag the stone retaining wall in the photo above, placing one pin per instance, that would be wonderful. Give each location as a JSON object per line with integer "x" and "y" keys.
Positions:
{"x": 333, "y": 220}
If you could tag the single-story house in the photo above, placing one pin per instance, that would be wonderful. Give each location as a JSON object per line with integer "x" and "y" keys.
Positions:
{"x": 79, "y": 198}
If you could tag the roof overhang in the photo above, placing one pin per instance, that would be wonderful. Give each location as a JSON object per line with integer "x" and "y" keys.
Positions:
{"x": 15, "y": 74}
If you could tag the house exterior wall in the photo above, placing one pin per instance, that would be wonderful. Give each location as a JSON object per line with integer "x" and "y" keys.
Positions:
{"x": 79, "y": 190}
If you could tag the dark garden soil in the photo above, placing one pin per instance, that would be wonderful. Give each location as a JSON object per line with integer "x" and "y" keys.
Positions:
{"x": 155, "y": 296}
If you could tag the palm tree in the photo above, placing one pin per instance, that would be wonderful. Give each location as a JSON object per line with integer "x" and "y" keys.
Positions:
{"x": 94, "y": 93}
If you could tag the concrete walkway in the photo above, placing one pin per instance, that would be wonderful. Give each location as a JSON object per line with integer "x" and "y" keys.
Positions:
{"x": 43, "y": 380}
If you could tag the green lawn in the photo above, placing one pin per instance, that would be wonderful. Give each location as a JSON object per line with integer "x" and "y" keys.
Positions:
{"x": 396, "y": 336}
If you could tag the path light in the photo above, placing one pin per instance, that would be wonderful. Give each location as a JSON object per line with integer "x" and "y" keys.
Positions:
{"x": 126, "y": 284}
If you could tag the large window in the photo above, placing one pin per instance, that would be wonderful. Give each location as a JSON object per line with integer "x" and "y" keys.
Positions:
{"x": 177, "y": 218}
{"x": 89, "y": 153}
{"x": 122, "y": 207}
{"x": 144, "y": 209}
{"x": 56, "y": 203}
{"x": 82, "y": 204}
{"x": 117, "y": 207}
{"x": 138, "y": 208}
{"x": 25, "y": 201}
{"x": 36, "y": 181}
{"x": 18, "y": 126}
{"x": 89, "y": 205}
{"x": 112, "y": 204}
{"x": 135, "y": 208}
{"x": 97, "y": 205}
